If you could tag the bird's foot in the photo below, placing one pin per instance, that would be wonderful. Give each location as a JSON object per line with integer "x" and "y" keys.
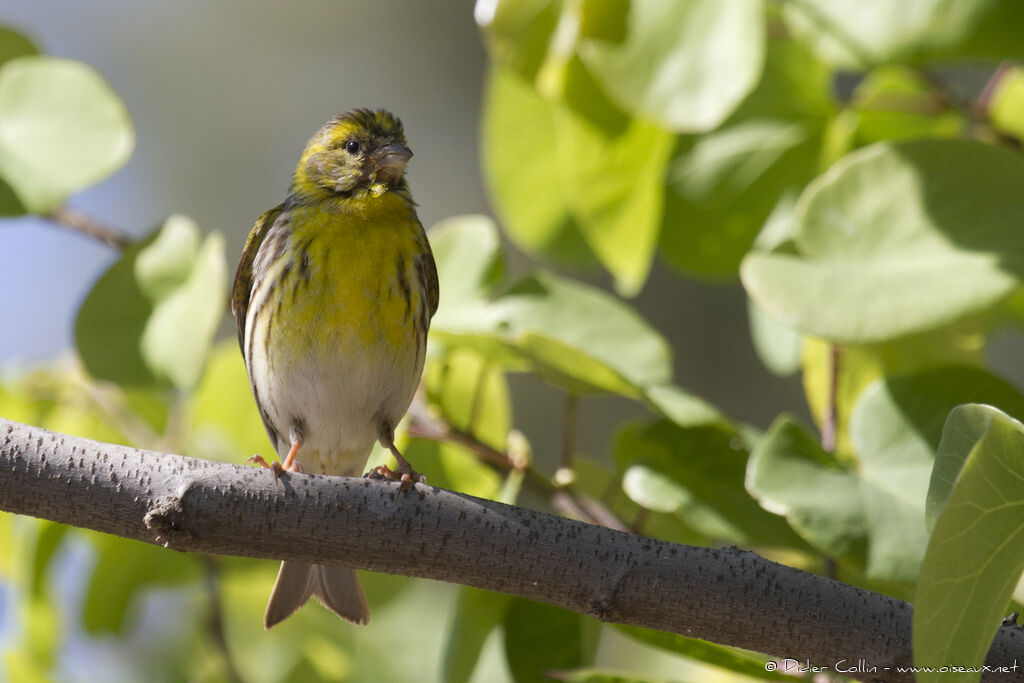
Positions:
{"x": 404, "y": 474}
{"x": 276, "y": 467}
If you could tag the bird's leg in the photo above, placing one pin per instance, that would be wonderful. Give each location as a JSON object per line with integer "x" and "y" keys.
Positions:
{"x": 404, "y": 473}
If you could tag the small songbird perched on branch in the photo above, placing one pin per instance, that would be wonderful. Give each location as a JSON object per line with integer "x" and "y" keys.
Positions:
{"x": 333, "y": 298}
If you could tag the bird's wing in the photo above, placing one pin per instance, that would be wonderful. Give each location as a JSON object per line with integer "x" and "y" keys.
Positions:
{"x": 242, "y": 289}
{"x": 428, "y": 272}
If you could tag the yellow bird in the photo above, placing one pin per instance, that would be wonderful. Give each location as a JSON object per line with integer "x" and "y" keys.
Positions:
{"x": 333, "y": 299}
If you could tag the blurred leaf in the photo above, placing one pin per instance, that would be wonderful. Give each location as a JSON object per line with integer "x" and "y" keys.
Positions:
{"x": 858, "y": 34}
{"x": 777, "y": 345}
{"x": 224, "y": 423}
{"x": 518, "y": 32}
{"x": 976, "y": 553}
{"x": 61, "y": 129}
{"x": 14, "y": 44}
{"x": 467, "y": 250}
{"x": 522, "y": 172}
{"x": 51, "y": 535}
{"x": 897, "y": 103}
{"x": 572, "y": 335}
{"x": 613, "y": 178}
{"x": 180, "y": 329}
{"x": 719, "y": 655}
{"x": 897, "y": 239}
{"x": 723, "y": 188}
{"x": 680, "y": 406}
{"x": 669, "y": 66}
{"x": 791, "y": 475}
{"x": 725, "y": 184}
{"x": 123, "y": 569}
{"x": 996, "y": 35}
{"x": 698, "y": 474}
{"x": 149, "y": 323}
{"x": 540, "y": 638}
{"x": 895, "y": 428}
{"x": 1006, "y": 103}
{"x": 167, "y": 261}
{"x": 477, "y": 613}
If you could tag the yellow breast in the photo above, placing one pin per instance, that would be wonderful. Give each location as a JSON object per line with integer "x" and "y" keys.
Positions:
{"x": 353, "y": 276}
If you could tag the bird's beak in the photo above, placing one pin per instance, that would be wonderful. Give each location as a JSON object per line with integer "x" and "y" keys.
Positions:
{"x": 389, "y": 163}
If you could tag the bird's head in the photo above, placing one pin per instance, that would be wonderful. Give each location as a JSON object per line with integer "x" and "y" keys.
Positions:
{"x": 358, "y": 151}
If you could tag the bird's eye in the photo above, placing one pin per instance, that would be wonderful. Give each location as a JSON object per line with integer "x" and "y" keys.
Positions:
{"x": 352, "y": 147}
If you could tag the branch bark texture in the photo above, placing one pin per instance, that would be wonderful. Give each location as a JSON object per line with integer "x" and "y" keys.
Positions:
{"x": 727, "y": 596}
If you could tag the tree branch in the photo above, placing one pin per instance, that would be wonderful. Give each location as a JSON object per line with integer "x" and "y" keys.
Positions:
{"x": 726, "y": 595}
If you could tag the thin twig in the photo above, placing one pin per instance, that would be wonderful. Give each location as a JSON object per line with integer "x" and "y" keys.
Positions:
{"x": 90, "y": 227}
{"x": 421, "y": 424}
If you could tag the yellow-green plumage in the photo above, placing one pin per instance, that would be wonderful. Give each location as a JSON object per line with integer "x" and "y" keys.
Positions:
{"x": 333, "y": 298}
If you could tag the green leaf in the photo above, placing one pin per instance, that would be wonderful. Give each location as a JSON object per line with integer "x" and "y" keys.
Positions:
{"x": 61, "y": 129}
{"x": 123, "y": 569}
{"x": 669, "y": 66}
{"x": 975, "y": 556}
{"x": 896, "y": 428}
{"x": 855, "y": 35}
{"x": 540, "y": 638}
{"x": 614, "y": 185}
{"x": 718, "y": 655}
{"x": 151, "y": 317}
{"x": 964, "y": 427}
{"x": 14, "y": 44}
{"x": 477, "y": 613}
{"x": 180, "y": 330}
{"x": 680, "y": 406}
{"x": 723, "y": 187}
{"x": 518, "y": 32}
{"x": 698, "y": 474}
{"x": 777, "y": 345}
{"x": 575, "y": 336}
{"x": 791, "y": 475}
{"x": 523, "y": 174}
{"x": 467, "y": 250}
{"x": 897, "y": 239}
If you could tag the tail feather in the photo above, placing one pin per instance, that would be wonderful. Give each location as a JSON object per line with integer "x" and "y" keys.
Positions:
{"x": 337, "y": 589}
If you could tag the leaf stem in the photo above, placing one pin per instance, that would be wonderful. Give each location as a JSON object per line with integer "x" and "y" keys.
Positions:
{"x": 90, "y": 227}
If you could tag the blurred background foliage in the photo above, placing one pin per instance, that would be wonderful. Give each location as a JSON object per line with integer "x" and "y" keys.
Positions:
{"x": 671, "y": 188}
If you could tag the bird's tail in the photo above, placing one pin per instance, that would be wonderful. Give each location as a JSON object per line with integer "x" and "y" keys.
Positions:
{"x": 337, "y": 588}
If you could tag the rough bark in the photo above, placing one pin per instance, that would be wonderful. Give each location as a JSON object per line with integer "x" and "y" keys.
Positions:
{"x": 727, "y": 596}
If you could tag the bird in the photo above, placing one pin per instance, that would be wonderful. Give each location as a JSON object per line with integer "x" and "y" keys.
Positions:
{"x": 332, "y": 299}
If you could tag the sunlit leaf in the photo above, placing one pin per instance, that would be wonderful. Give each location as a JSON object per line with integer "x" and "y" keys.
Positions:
{"x": 668, "y": 67}
{"x": 975, "y": 555}
{"x": 897, "y": 239}
{"x": 854, "y": 34}
{"x": 61, "y": 129}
